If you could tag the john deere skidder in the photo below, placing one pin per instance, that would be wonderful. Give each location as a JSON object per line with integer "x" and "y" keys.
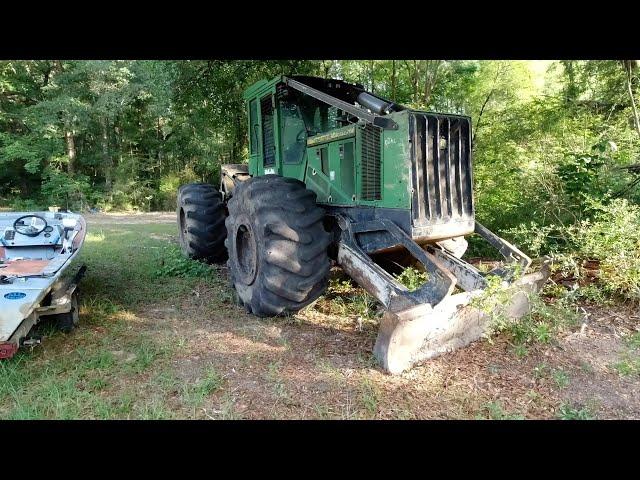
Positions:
{"x": 338, "y": 174}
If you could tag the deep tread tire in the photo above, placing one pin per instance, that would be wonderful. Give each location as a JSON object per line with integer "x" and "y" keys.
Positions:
{"x": 277, "y": 245}
{"x": 201, "y": 214}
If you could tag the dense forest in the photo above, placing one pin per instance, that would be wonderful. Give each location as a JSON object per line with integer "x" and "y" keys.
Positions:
{"x": 556, "y": 144}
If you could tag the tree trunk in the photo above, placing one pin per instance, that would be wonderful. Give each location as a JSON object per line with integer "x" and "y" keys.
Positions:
{"x": 393, "y": 80}
{"x": 499, "y": 71}
{"x": 71, "y": 151}
{"x": 106, "y": 157}
{"x": 629, "y": 65}
{"x": 430, "y": 79}
{"x": 572, "y": 88}
{"x": 371, "y": 76}
{"x": 326, "y": 68}
{"x": 416, "y": 80}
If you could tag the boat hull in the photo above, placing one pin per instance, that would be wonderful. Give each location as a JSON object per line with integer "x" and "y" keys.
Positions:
{"x": 31, "y": 267}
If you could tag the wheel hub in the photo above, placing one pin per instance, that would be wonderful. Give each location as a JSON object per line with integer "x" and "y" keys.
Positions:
{"x": 246, "y": 254}
{"x": 183, "y": 224}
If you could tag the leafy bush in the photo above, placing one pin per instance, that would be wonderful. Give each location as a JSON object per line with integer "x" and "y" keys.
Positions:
{"x": 25, "y": 205}
{"x": 613, "y": 238}
{"x": 412, "y": 278}
{"x": 65, "y": 190}
{"x": 174, "y": 264}
{"x": 541, "y": 325}
{"x": 607, "y": 245}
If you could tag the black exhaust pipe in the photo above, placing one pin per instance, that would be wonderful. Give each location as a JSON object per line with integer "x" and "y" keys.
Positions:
{"x": 377, "y": 105}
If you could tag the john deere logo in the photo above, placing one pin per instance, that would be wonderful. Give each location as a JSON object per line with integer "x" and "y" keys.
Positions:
{"x": 14, "y": 295}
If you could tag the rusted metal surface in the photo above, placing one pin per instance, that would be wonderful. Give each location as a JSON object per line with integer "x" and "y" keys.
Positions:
{"x": 8, "y": 349}
{"x": 231, "y": 174}
{"x": 429, "y": 321}
{"x": 423, "y": 332}
{"x": 380, "y": 284}
{"x": 467, "y": 276}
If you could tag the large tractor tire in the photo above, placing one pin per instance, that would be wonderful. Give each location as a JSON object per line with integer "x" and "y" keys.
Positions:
{"x": 277, "y": 245}
{"x": 201, "y": 215}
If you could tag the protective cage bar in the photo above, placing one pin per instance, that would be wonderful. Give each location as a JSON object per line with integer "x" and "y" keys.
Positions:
{"x": 442, "y": 176}
{"x": 444, "y": 270}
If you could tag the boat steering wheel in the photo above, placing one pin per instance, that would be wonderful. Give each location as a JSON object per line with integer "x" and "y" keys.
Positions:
{"x": 34, "y": 228}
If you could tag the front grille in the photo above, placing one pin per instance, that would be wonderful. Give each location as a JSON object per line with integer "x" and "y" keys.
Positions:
{"x": 371, "y": 181}
{"x": 441, "y": 148}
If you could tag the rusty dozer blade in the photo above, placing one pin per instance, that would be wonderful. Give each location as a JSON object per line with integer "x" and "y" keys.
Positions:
{"x": 421, "y": 324}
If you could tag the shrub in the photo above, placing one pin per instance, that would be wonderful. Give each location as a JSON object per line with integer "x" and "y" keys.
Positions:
{"x": 412, "y": 278}
{"x": 602, "y": 253}
{"x": 174, "y": 264}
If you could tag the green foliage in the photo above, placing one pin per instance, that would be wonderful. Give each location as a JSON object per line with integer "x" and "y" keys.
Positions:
{"x": 613, "y": 237}
{"x": 610, "y": 238}
{"x": 347, "y": 300}
{"x": 561, "y": 378}
{"x": 545, "y": 133}
{"x": 195, "y": 394}
{"x": 173, "y": 263}
{"x": 628, "y": 366}
{"x": 569, "y": 412}
{"x": 549, "y": 143}
{"x": 541, "y": 325}
{"x": 495, "y": 411}
{"x": 633, "y": 341}
{"x": 412, "y": 278}
{"x": 66, "y": 191}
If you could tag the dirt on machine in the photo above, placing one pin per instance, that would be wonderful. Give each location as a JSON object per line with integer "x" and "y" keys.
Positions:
{"x": 338, "y": 175}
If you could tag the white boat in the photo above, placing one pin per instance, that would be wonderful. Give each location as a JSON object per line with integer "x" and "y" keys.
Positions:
{"x": 35, "y": 249}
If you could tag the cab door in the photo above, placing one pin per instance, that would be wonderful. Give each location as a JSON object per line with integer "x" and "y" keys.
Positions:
{"x": 293, "y": 139}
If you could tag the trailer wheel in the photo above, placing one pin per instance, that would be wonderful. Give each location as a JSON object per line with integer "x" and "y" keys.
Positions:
{"x": 67, "y": 322}
{"x": 201, "y": 214}
{"x": 277, "y": 245}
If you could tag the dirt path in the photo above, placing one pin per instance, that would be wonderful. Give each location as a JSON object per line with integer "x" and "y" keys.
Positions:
{"x": 318, "y": 365}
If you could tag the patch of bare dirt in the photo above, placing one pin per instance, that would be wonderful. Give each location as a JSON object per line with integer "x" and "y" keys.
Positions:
{"x": 315, "y": 366}
{"x": 318, "y": 365}
{"x": 590, "y": 355}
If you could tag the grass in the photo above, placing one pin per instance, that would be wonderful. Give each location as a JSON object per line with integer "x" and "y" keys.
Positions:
{"x": 345, "y": 299}
{"x": 412, "y": 278}
{"x": 107, "y": 368}
{"x": 629, "y": 364}
{"x": 195, "y": 394}
{"x": 495, "y": 411}
{"x": 540, "y": 326}
{"x": 368, "y": 398}
{"x": 561, "y": 378}
{"x": 130, "y": 359}
{"x": 627, "y": 367}
{"x": 278, "y": 387}
{"x": 570, "y": 412}
{"x": 633, "y": 341}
